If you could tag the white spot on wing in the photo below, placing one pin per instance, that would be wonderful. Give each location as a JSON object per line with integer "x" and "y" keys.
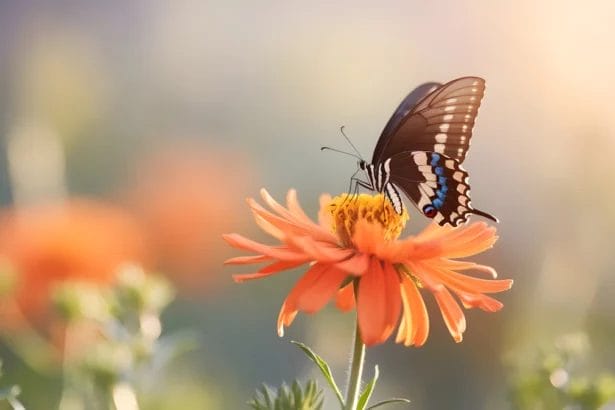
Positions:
{"x": 461, "y": 189}
{"x": 439, "y": 148}
{"x": 444, "y": 127}
{"x": 450, "y": 164}
{"x": 387, "y": 166}
{"x": 464, "y": 128}
{"x": 448, "y": 117}
{"x": 441, "y": 137}
{"x": 450, "y": 108}
{"x": 451, "y": 101}
{"x": 420, "y": 158}
{"x": 458, "y": 176}
{"x": 427, "y": 189}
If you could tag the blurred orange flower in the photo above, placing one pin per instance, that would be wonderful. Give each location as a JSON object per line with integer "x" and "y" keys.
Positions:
{"x": 79, "y": 240}
{"x": 356, "y": 241}
{"x": 185, "y": 198}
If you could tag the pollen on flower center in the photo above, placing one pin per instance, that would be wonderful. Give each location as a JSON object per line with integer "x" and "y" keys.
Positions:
{"x": 347, "y": 210}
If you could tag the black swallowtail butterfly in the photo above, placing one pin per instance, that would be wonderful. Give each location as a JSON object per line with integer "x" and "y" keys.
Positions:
{"x": 421, "y": 149}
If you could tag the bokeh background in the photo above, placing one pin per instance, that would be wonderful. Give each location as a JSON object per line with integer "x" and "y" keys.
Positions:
{"x": 171, "y": 113}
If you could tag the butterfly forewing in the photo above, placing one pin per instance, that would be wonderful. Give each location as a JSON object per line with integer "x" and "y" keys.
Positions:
{"x": 402, "y": 112}
{"x": 440, "y": 122}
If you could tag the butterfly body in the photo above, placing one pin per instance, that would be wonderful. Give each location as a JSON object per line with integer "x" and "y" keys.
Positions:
{"x": 422, "y": 147}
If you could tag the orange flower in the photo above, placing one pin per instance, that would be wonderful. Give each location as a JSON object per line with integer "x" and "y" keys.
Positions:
{"x": 49, "y": 244}
{"x": 173, "y": 201}
{"x": 355, "y": 241}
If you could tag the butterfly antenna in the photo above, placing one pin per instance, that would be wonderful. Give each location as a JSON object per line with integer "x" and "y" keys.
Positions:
{"x": 350, "y": 142}
{"x": 340, "y": 151}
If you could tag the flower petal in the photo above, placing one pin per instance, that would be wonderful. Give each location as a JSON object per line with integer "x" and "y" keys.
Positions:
{"x": 246, "y": 260}
{"x": 344, "y": 300}
{"x": 281, "y": 252}
{"x": 379, "y": 302}
{"x": 484, "y": 302}
{"x": 320, "y": 251}
{"x": 414, "y": 327}
{"x": 465, "y": 283}
{"x": 452, "y": 314}
{"x": 355, "y": 265}
{"x": 321, "y": 289}
{"x": 268, "y": 270}
{"x": 292, "y": 203}
{"x": 285, "y": 317}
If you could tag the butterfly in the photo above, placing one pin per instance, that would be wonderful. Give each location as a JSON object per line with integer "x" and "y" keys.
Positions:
{"x": 422, "y": 147}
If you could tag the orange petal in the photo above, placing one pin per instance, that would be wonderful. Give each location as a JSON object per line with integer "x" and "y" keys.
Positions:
{"x": 367, "y": 237}
{"x": 484, "y": 302}
{"x": 282, "y": 252}
{"x": 465, "y": 265}
{"x": 421, "y": 271}
{"x": 344, "y": 300}
{"x": 464, "y": 282}
{"x": 246, "y": 260}
{"x": 356, "y": 265}
{"x": 298, "y": 219}
{"x": 285, "y": 318}
{"x": 274, "y": 224}
{"x": 379, "y": 303}
{"x": 305, "y": 283}
{"x": 292, "y": 203}
{"x": 320, "y": 251}
{"x": 321, "y": 289}
{"x": 268, "y": 270}
{"x": 452, "y": 314}
{"x": 414, "y": 327}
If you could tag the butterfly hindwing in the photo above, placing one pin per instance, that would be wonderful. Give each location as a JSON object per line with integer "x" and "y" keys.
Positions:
{"x": 440, "y": 122}
{"x": 436, "y": 184}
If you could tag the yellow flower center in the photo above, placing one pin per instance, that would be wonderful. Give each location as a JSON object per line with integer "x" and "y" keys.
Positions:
{"x": 347, "y": 210}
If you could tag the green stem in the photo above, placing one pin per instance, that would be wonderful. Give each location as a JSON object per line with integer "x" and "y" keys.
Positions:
{"x": 356, "y": 370}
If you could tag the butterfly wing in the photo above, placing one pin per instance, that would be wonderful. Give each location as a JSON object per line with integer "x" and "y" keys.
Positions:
{"x": 436, "y": 184}
{"x": 401, "y": 113}
{"x": 439, "y": 122}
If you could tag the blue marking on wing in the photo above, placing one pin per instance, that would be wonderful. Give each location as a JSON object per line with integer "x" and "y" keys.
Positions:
{"x": 435, "y": 158}
{"x": 439, "y": 171}
{"x": 443, "y": 189}
{"x": 437, "y": 203}
{"x": 441, "y": 194}
{"x": 442, "y": 180}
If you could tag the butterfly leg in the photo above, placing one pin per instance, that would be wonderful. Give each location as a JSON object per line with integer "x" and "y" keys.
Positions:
{"x": 361, "y": 183}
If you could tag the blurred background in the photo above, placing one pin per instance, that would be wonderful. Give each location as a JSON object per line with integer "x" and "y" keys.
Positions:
{"x": 133, "y": 131}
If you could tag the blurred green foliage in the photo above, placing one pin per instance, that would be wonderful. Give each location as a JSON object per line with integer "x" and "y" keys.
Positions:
{"x": 560, "y": 375}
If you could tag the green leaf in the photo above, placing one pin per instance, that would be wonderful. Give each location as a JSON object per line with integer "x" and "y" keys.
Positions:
{"x": 324, "y": 369}
{"x": 389, "y": 401}
{"x": 289, "y": 398}
{"x": 367, "y": 392}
